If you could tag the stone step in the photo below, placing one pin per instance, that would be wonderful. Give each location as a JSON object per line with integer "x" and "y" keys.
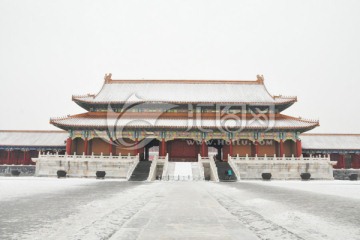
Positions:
{"x": 222, "y": 168}
{"x": 141, "y": 171}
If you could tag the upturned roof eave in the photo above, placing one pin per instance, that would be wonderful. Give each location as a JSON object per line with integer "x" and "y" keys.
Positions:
{"x": 280, "y": 106}
{"x": 93, "y": 102}
{"x": 300, "y": 129}
{"x": 32, "y": 146}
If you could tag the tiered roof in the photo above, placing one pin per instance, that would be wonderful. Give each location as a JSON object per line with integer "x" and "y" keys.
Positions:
{"x": 180, "y": 92}
{"x": 183, "y": 92}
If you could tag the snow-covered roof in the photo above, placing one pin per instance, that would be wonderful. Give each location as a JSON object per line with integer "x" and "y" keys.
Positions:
{"x": 183, "y": 91}
{"x": 90, "y": 120}
{"x": 33, "y": 138}
{"x": 331, "y": 141}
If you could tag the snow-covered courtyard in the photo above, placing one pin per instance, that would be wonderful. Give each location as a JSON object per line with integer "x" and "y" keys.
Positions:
{"x": 50, "y": 208}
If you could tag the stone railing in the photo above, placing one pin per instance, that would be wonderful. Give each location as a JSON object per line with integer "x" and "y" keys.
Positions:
{"x": 133, "y": 166}
{"x": 152, "y": 171}
{"x": 277, "y": 158}
{"x": 118, "y": 166}
{"x": 282, "y": 167}
{"x": 201, "y": 171}
{"x": 82, "y": 158}
{"x": 165, "y": 160}
{"x": 154, "y": 163}
{"x": 234, "y": 167}
{"x": 213, "y": 169}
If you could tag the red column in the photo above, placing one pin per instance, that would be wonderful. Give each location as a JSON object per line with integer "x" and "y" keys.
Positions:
{"x": 136, "y": 146}
{"x": 256, "y": 148}
{"x": 68, "y": 146}
{"x": 28, "y": 158}
{"x": 160, "y": 148}
{"x": 86, "y": 146}
{"x": 8, "y": 157}
{"x": 24, "y": 159}
{"x": 298, "y": 148}
{"x": 163, "y": 147}
{"x": 204, "y": 149}
{"x": 231, "y": 148}
{"x": 341, "y": 161}
{"x": 281, "y": 148}
{"x": 13, "y": 158}
{"x": 355, "y": 161}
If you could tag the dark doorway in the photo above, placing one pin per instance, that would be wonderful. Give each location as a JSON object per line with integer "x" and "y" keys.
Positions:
{"x": 150, "y": 148}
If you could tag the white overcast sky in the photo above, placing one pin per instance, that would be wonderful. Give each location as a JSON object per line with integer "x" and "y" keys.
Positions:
{"x": 50, "y": 50}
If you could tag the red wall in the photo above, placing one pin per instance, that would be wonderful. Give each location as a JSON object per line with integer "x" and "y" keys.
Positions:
{"x": 179, "y": 148}
{"x": 17, "y": 157}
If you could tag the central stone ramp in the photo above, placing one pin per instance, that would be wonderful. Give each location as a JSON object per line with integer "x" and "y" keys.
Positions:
{"x": 196, "y": 173}
{"x": 184, "y": 171}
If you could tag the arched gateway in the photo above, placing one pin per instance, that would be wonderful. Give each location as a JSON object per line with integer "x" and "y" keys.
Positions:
{"x": 184, "y": 120}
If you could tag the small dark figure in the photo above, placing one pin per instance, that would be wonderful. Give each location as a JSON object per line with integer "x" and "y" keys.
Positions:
{"x": 229, "y": 174}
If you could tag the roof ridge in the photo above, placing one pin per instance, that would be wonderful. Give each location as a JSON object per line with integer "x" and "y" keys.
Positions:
{"x": 173, "y": 115}
{"x": 286, "y": 97}
{"x": 331, "y": 134}
{"x": 300, "y": 118}
{"x": 185, "y": 81}
{"x": 83, "y": 95}
{"x": 35, "y": 131}
{"x": 180, "y": 102}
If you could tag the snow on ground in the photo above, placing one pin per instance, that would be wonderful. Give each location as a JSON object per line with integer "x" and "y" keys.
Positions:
{"x": 110, "y": 209}
{"x": 161, "y": 210}
{"x": 183, "y": 169}
{"x": 97, "y": 219}
{"x": 18, "y": 187}
{"x": 348, "y": 189}
{"x": 290, "y": 213}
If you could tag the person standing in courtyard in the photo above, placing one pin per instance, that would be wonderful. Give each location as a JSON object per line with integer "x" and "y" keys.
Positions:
{"x": 229, "y": 174}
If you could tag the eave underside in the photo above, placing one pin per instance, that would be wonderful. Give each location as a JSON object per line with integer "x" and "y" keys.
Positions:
{"x": 184, "y": 121}
{"x": 277, "y": 106}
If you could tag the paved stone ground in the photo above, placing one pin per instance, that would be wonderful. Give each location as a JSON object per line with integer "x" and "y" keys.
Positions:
{"x": 179, "y": 210}
{"x": 277, "y": 213}
{"x": 21, "y": 215}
